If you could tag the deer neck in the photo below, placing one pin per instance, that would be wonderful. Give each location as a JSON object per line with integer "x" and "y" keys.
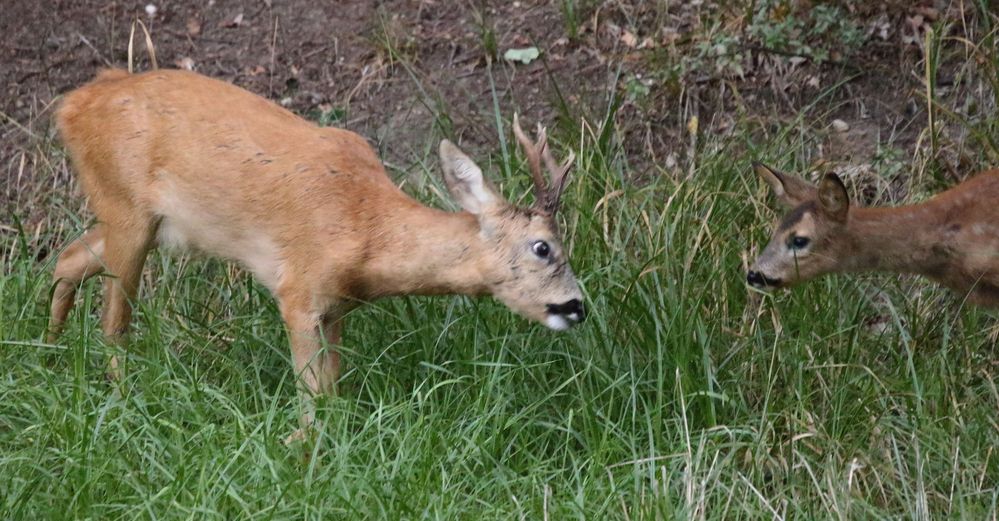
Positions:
{"x": 424, "y": 251}
{"x": 907, "y": 239}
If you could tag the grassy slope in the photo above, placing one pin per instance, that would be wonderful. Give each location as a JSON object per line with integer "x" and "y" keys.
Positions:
{"x": 679, "y": 398}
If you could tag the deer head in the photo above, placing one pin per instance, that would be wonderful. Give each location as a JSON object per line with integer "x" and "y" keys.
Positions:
{"x": 526, "y": 266}
{"x": 811, "y": 239}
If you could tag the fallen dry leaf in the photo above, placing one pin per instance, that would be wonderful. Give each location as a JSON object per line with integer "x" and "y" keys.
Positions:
{"x": 235, "y": 22}
{"x": 929, "y": 12}
{"x": 193, "y": 26}
{"x": 692, "y": 125}
{"x": 670, "y": 36}
{"x": 628, "y": 38}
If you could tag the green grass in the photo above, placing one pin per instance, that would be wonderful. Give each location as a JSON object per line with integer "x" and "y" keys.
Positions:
{"x": 678, "y": 398}
{"x": 683, "y": 396}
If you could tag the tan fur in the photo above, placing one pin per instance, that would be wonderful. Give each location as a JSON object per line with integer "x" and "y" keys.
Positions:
{"x": 952, "y": 239}
{"x": 176, "y": 159}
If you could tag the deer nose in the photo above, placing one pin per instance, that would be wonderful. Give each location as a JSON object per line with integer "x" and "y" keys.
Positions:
{"x": 759, "y": 280}
{"x": 572, "y": 310}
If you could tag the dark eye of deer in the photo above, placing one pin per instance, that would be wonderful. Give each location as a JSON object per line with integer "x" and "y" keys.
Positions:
{"x": 541, "y": 249}
{"x": 798, "y": 243}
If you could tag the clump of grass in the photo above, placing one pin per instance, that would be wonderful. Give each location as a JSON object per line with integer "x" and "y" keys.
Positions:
{"x": 487, "y": 35}
{"x": 570, "y": 17}
{"x": 393, "y": 39}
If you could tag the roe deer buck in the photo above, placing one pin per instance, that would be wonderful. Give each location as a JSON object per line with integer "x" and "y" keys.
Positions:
{"x": 952, "y": 238}
{"x": 172, "y": 158}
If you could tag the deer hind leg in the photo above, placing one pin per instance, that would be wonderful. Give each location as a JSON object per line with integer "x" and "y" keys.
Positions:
{"x": 81, "y": 260}
{"x": 125, "y": 249}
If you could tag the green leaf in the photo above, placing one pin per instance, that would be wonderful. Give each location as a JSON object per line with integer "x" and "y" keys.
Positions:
{"x": 525, "y": 55}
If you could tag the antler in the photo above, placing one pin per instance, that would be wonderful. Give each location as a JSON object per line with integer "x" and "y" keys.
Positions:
{"x": 547, "y": 196}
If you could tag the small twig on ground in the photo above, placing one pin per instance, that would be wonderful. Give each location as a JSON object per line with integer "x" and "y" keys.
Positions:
{"x": 98, "y": 53}
{"x": 314, "y": 52}
{"x": 17, "y": 124}
{"x": 270, "y": 77}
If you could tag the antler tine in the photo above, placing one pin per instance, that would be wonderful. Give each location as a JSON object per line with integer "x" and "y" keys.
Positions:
{"x": 562, "y": 178}
{"x": 558, "y": 172}
{"x": 547, "y": 194}
{"x": 533, "y": 153}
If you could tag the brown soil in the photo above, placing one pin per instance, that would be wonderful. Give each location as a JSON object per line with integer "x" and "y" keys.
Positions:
{"x": 396, "y": 71}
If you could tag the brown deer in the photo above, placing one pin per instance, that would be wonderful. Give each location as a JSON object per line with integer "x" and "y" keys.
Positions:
{"x": 175, "y": 159}
{"x": 952, "y": 238}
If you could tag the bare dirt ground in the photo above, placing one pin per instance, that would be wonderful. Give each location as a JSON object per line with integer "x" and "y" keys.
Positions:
{"x": 396, "y": 71}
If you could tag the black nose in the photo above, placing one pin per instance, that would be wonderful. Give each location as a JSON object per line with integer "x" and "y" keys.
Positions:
{"x": 573, "y": 310}
{"x": 759, "y": 280}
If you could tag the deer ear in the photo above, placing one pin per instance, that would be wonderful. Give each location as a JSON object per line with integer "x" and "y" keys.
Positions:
{"x": 465, "y": 181}
{"x": 833, "y": 199}
{"x": 789, "y": 190}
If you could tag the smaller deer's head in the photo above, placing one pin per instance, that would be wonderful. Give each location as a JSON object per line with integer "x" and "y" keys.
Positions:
{"x": 526, "y": 266}
{"x": 811, "y": 238}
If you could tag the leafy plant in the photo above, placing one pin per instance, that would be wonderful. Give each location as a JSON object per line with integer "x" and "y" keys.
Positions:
{"x": 817, "y": 34}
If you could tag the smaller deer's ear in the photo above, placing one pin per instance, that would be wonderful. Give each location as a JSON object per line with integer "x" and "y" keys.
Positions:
{"x": 833, "y": 199}
{"x": 790, "y": 191}
{"x": 464, "y": 180}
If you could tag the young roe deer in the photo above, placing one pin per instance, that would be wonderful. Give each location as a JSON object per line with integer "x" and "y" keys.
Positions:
{"x": 952, "y": 238}
{"x": 171, "y": 158}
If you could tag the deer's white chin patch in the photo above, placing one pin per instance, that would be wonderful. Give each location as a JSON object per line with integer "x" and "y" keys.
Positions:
{"x": 557, "y": 322}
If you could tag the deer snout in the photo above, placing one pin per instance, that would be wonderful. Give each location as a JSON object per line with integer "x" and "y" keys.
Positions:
{"x": 565, "y": 315}
{"x": 759, "y": 280}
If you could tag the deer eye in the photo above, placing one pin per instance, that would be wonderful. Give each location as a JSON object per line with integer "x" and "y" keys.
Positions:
{"x": 798, "y": 243}
{"x": 541, "y": 249}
